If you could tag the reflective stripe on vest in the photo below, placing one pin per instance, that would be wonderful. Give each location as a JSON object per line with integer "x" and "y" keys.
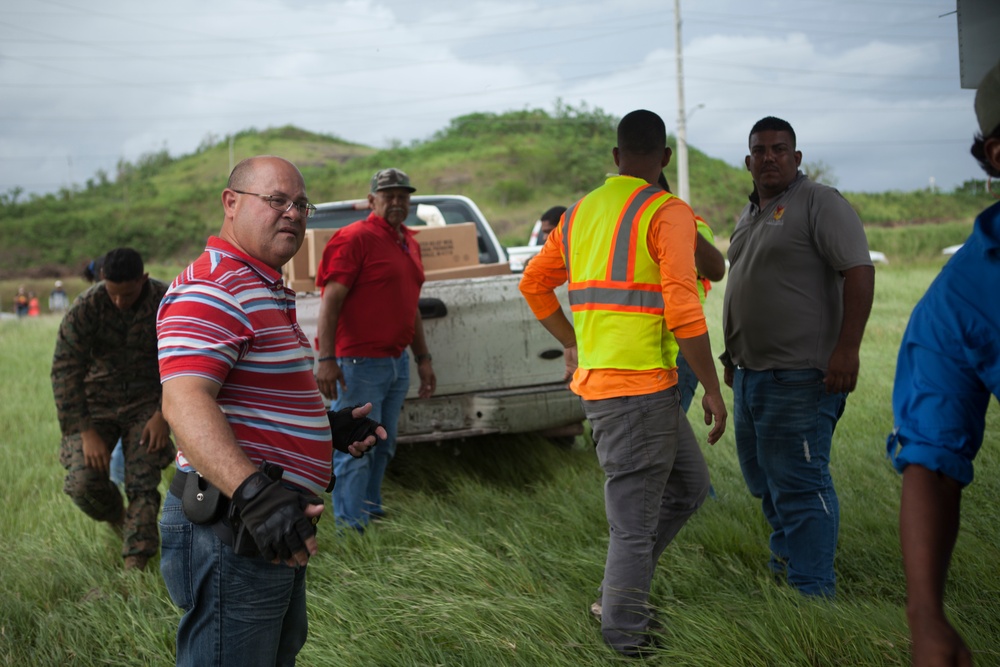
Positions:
{"x": 598, "y": 297}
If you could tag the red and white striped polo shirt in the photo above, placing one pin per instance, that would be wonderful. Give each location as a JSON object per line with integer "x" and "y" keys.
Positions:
{"x": 229, "y": 318}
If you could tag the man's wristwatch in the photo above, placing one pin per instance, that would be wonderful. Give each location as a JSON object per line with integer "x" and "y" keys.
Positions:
{"x": 423, "y": 357}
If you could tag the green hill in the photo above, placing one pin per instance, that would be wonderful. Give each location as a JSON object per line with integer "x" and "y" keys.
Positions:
{"x": 514, "y": 165}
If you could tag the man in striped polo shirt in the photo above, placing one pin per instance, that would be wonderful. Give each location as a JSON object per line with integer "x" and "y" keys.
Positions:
{"x": 238, "y": 390}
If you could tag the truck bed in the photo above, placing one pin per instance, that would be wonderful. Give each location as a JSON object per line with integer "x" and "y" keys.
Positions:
{"x": 498, "y": 370}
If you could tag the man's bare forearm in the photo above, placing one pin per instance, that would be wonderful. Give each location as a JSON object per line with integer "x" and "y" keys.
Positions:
{"x": 560, "y": 327}
{"x": 203, "y": 434}
{"x": 708, "y": 260}
{"x": 929, "y": 515}
{"x": 419, "y": 343}
{"x": 697, "y": 352}
{"x": 329, "y": 314}
{"x": 859, "y": 292}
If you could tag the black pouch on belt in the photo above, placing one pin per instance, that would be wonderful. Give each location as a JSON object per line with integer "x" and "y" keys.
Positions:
{"x": 201, "y": 501}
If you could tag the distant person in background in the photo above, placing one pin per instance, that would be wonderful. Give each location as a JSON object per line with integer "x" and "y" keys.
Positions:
{"x": 800, "y": 288}
{"x": 371, "y": 266}
{"x": 106, "y": 384}
{"x": 948, "y": 365}
{"x": 21, "y": 302}
{"x": 34, "y": 310}
{"x": 711, "y": 267}
{"x": 58, "y": 301}
{"x": 549, "y": 221}
{"x": 92, "y": 272}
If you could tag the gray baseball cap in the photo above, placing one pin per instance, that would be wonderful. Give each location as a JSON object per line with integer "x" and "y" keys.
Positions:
{"x": 988, "y": 101}
{"x": 391, "y": 178}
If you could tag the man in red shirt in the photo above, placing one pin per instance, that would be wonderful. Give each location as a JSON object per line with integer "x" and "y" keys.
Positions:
{"x": 371, "y": 267}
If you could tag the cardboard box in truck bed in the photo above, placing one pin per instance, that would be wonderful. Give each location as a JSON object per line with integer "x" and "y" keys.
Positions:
{"x": 450, "y": 251}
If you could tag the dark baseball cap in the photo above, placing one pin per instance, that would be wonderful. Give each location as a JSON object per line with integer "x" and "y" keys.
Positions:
{"x": 391, "y": 178}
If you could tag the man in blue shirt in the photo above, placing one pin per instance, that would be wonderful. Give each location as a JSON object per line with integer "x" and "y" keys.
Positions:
{"x": 949, "y": 364}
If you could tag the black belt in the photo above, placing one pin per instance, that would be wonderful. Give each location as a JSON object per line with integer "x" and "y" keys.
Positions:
{"x": 177, "y": 486}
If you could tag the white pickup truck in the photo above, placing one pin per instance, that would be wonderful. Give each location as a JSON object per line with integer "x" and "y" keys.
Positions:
{"x": 498, "y": 370}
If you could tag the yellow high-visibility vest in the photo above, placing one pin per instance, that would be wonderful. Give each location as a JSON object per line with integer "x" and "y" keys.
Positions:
{"x": 614, "y": 283}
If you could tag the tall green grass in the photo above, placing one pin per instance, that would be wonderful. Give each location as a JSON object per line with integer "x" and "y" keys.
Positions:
{"x": 494, "y": 549}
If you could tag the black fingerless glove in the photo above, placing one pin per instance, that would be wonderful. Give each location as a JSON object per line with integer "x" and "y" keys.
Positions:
{"x": 347, "y": 430}
{"x": 274, "y": 517}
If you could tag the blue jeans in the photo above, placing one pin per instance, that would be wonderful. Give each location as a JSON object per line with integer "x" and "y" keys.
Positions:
{"x": 687, "y": 381}
{"x": 118, "y": 464}
{"x": 784, "y": 422}
{"x": 655, "y": 479}
{"x": 383, "y": 382}
{"x": 237, "y": 611}
{"x": 687, "y": 384}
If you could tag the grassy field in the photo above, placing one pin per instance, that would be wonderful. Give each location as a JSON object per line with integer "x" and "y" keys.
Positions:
{"x": 494, "y": 549}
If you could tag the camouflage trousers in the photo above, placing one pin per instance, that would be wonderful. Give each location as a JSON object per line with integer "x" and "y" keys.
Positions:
{"x": 94, "y": 492}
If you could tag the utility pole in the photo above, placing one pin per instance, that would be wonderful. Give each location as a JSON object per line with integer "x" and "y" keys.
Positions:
{"x": 683, "y": 191}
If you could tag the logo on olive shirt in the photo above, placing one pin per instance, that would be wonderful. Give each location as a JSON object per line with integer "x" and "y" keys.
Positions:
{"x": 778, "y": 212}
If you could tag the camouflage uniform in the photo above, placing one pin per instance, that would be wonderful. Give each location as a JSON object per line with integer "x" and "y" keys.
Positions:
{"x": 105, "y": 376}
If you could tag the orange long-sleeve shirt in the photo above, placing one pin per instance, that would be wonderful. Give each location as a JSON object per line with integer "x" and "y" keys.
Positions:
{"x": 671, "y": 241}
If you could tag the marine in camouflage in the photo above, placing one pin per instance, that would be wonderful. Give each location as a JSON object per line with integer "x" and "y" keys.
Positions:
{"x": 105, "y": 376}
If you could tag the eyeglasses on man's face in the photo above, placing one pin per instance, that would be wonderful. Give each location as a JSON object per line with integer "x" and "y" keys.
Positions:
{"x": 283, "y": 204}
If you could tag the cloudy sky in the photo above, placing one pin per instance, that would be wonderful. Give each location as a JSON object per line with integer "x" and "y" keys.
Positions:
{"x": 871, "y": 86}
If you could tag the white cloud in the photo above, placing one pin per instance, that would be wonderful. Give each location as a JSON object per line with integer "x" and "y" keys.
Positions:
{"x": 872, "y": 91}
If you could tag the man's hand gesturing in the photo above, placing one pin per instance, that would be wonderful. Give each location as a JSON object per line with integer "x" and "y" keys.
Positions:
{"x": 353, "y": 432}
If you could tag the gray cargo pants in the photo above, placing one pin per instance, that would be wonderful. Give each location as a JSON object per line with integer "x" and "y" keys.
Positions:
{"x": 655, "y": 479}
